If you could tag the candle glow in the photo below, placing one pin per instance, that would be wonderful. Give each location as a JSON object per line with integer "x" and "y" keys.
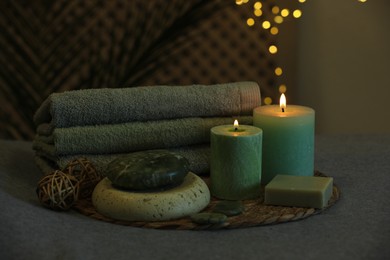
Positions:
{"x": 235, "y": 125}
{"x": 283, "y": 102}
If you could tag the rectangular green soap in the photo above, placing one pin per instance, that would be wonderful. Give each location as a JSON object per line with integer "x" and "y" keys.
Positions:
{"x": 299, "y": 191}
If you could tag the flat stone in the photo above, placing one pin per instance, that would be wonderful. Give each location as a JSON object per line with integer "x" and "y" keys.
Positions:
{"x": 229, "y": 207}
{"x": 188, "y": 198}
{"x": 147, "y": 170}
{"x": 208, "y": 218}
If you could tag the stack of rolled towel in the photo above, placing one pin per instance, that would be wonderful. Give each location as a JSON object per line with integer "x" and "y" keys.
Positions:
{"x": 102, "y": 124}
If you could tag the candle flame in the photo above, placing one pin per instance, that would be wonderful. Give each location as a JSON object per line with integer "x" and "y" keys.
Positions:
{"x": 235, "y": 124}
{"x": 282, "y": 102}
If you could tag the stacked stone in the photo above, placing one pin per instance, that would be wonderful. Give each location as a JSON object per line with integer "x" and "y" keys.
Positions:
{"x": 150, "y": 186}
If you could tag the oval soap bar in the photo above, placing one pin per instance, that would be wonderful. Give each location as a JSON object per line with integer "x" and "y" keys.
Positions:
{"x": 188, "y": 198}
{"x": 147, "y": 170}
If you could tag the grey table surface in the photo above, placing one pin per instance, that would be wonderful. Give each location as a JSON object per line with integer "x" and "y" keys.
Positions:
{"x": 357, "y": 227}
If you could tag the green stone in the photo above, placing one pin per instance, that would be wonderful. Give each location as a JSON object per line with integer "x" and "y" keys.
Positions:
{"x": 229, "y": 208}
{"x": 208, "y": 218}
{"x": 148, "y": 170}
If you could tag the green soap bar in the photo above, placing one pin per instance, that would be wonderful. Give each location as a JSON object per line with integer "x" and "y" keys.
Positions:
{"x": 299, "y": 191}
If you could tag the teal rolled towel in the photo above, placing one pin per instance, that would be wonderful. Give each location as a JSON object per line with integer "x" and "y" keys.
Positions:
{"x": 120, "y": 105}
{"x": 130, "y": 137}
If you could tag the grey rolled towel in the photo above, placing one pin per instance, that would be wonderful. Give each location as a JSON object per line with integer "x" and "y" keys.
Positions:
{"x": 121, "y": 105}
{"x": 130, "y": 137}
{"x": 197, "y": 155}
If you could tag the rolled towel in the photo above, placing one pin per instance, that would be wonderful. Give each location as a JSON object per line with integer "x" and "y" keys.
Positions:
{"x": 197, "y": 155}
{"x": 121, "y": 105}
{"x": 130, "y": 137}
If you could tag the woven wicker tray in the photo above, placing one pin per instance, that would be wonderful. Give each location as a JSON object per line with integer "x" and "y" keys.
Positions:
{"x": 255, "y": 214}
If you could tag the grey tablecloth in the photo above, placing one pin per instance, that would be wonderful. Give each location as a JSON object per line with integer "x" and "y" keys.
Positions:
{"x": 357, "y": 227}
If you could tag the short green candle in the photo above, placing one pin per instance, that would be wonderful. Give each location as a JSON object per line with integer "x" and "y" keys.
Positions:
{"x": 235, "y": 165}
{"x": 288, "y": 140}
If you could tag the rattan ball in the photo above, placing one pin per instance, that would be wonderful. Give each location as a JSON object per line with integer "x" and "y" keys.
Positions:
{"x": 58, "y": 190}
{"x": 86, "y": 173}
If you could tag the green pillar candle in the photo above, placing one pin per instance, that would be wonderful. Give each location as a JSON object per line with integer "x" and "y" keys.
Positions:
{"x": 288, "y": 140}
{"x": 235, "y": 165}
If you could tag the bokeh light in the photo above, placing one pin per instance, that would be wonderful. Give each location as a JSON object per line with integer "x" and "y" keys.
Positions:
{"x": 275, "y": 9}
{"x": 274, "y": 30}
{"x": 297, "y": 13}
{"x": 258, "y": 12}
{"x": 250, "y": 22}
{"x": 266, "y": 24}
{"x": 273, "y": 49}
{"x": 285, "y": 12}
{"x": 278, "y": 71}
{"x": 278, "y": 19}
{"x": 258, "y": 5}
{"x": 269, "y": 17}
{"x": 267, "y": 101}
{"x": 282, "y": 88}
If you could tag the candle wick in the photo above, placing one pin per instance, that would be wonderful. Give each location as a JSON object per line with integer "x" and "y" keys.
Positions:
{"x": 283, "y": 109}
{"x": 235, "y": 129}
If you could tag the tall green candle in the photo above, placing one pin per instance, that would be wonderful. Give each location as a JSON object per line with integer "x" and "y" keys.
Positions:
{"x": 235, "y": 165}
{"x": 288, "y": 139}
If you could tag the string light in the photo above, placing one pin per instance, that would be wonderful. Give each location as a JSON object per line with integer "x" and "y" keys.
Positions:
{"x": 278, "y": 19}
{"x": 267, "y": 100}
{"x": 270, "y": 21}
{"x": 274, "y": 30}
{"x": 297, "y": 13}
{"x": 285, "y": 12}
{"x": 278, "y": 71}
{"x": 273, "y": 49}
{"x": 258, "y": 5}
{"x": 275, "y": 9}
{"x": 250, "y": 22}
{"x": 258, "y": 12}
{"x": 282, "y": 88}
{"x": 240, "y": 2}
{"x": 278, "y": 15}
{"x": 266, "y": 24}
